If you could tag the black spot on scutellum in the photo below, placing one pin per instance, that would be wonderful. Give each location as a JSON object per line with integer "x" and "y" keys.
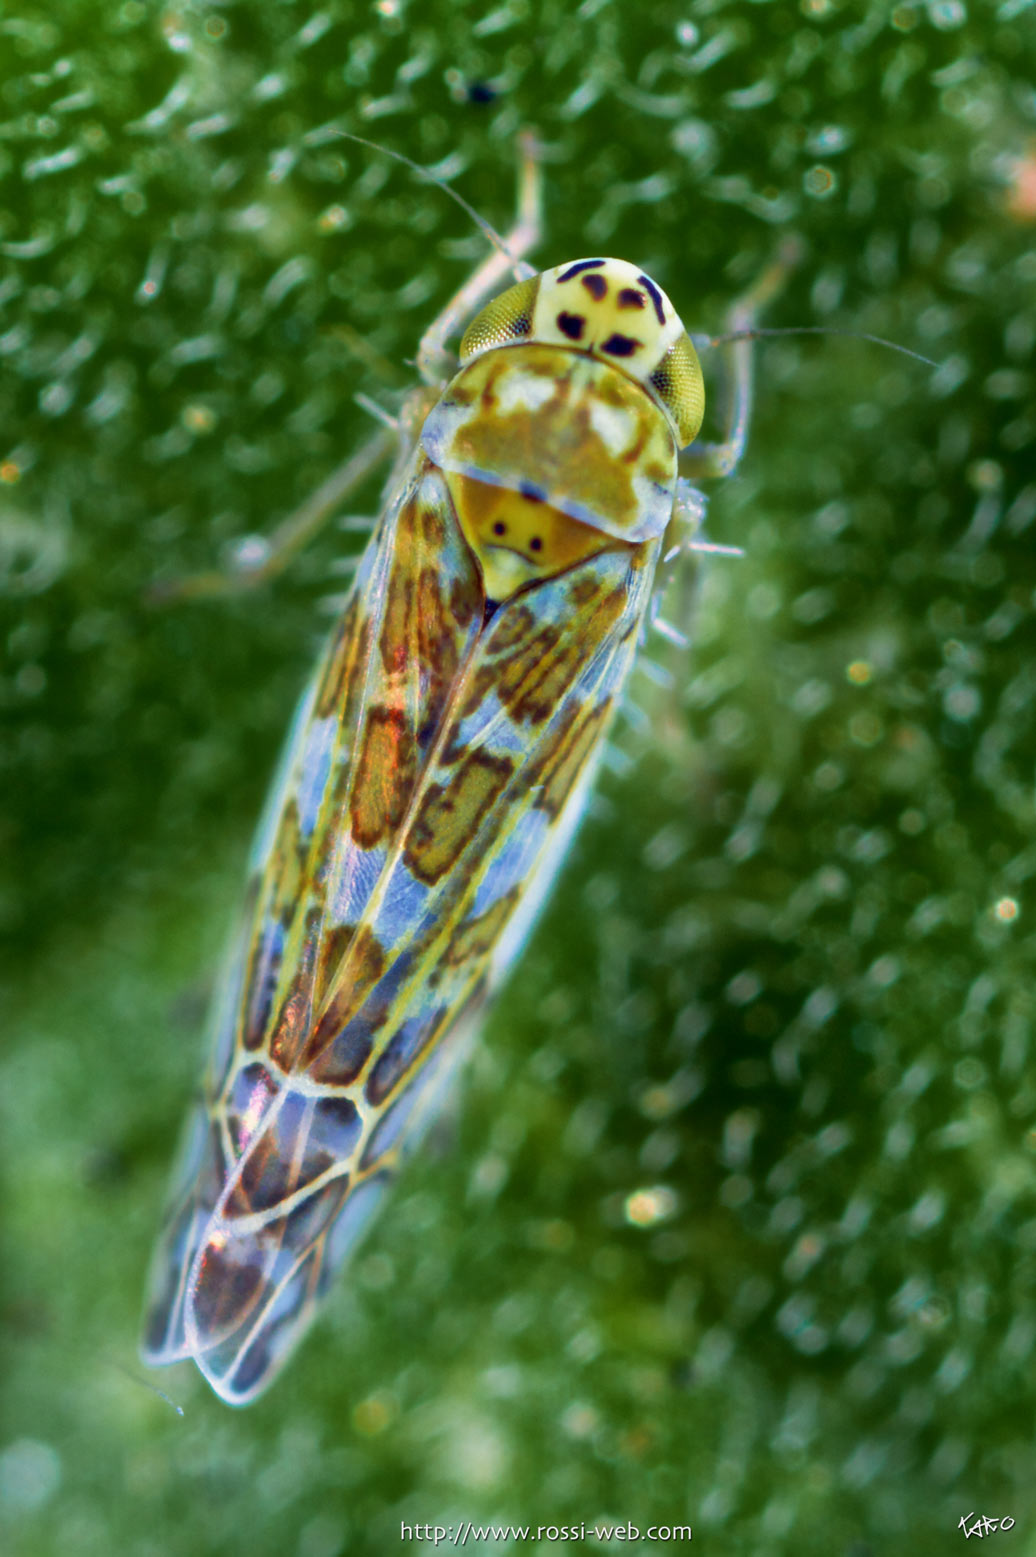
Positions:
{"x": 596, "y": 286}
{"x": 629, "y": 297}
{"x": 571, "y": 325}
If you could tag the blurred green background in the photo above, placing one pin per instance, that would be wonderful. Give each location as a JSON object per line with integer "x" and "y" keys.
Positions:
{"x": 787, "y": 980}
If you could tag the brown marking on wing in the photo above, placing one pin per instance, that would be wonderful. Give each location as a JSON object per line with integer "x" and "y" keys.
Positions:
{"x": 440, "y": 620}
{"x": 292, "y": 1021}
{"x": 462, "y": 606}
{"x": 448, "y": 820}
{"x": 437, "y": 645}
{"x": 584, "y": 588}
{"x": 384, "y": 772}
{"x": 289, "y": 865}
{"x": 348, "y": 650}
{"x": 227, "y": 1289}
{"x": 564, "y": 756}
{"x": 352, "y": 977}
{"x": 396, "y": 637}
{"x": 334, "y": 944}
{"x": 532, "y": 674}
{"x": 415, "y": 620}
{"x": 512, "y": 627}
{"x": 477, "y": 937}
{"x": 422, "y": 631}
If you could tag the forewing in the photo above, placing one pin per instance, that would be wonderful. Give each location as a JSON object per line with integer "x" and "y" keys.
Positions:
{"x": 261, "y": 1137}
{"x": 416, "y": 835}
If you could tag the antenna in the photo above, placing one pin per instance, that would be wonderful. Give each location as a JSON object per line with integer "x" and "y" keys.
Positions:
{"x": 486, "y": 228}
{"x": 811, "y": 329}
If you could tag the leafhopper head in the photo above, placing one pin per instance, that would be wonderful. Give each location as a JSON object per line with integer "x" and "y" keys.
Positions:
{"x": 610, "y": 310}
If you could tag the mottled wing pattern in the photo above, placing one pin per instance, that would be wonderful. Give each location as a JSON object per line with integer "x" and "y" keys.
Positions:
{"x": 381, "y": 687}
{"x": 434, "y": 766}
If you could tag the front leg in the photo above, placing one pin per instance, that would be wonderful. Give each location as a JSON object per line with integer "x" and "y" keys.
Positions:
{"x": 701, "y": 460}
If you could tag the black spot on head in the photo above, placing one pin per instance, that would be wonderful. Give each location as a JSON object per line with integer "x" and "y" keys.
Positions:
{"x": 579, "y": 267}
{"x": 571, "y": 325}
{"x": 655, "y": 296}
{"x": 535, "y": 544}
{"x": 629, "y": 297}
{"x": 532, "y": 492}
{"x": 500, "y": 528}
{"x": 596, "y": 286}
{"x": 621, "y": 346}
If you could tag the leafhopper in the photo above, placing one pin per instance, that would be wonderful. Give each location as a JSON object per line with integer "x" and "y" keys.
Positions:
{"x": 436, "y": 771}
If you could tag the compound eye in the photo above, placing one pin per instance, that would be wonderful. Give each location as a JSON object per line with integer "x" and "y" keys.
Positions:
{"x": 508, "y": 318}
{"x": 678, "y": 384}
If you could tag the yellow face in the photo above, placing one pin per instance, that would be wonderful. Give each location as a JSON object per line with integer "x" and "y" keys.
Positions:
{"x": 610, "y": 310}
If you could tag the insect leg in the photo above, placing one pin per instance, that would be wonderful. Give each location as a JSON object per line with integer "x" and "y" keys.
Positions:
{"x": 262, "y": 558}
{"x": 702, "y": 460}
{"x": 435, "y": 363}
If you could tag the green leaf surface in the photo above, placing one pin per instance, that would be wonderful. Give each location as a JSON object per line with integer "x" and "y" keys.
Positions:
{"x": 735, "y": 1223}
